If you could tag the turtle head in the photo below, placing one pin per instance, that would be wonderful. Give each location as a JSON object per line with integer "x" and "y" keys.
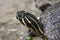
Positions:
{"x": 20, "y": 15}
{"x": 30, "y": 21}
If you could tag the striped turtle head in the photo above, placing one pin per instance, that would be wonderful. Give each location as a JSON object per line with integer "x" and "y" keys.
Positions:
{"x": 30, "y": 21}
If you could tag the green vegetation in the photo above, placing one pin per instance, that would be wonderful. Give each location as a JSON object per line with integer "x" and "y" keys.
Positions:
{"x": 29, "y": 38}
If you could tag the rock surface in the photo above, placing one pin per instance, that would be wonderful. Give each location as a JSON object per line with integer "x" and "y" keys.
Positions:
{"x": 51, "y": 22}
{"x": 10, "y": 27}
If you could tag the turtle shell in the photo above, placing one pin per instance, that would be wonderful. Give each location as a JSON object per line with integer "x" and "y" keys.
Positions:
{"x": 50, "y": 19}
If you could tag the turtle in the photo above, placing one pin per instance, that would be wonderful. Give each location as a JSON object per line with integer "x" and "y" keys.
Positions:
{"x": 47, "y": 27}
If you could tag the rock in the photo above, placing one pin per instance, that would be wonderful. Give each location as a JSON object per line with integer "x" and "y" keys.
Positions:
{"x": 50, "y": 19}
{"x": 9, "y": 26}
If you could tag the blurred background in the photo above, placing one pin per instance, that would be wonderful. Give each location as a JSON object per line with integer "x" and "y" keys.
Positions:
{"x": 10, "y": 27}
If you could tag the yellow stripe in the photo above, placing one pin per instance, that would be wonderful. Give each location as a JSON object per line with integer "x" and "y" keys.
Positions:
{"x": 35, "y": 28}
{"x": 27, "y": 19}
{"x": 38, "y": 25}
{"x": 23, "y": 21}
{"x": 32, "y": 25}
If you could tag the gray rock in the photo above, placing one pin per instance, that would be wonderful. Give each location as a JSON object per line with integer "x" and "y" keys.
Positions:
{"x": 51, "y": 22}
{"x": 39, "y": 3}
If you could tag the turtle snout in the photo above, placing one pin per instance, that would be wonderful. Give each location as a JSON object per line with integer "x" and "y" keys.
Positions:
{"x": 20, "y": 15}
